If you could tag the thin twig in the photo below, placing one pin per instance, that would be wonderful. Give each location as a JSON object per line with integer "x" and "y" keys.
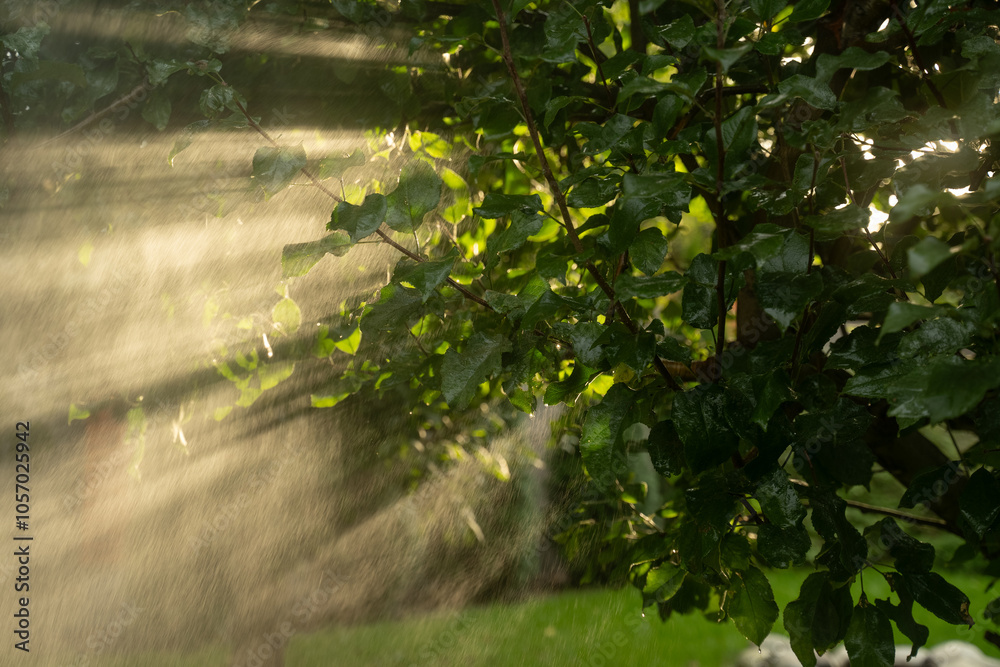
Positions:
{"x": 557, "y": 192}
{"x": 97, "y": 115}
{"x": 385, "y": 237}
{"x": 721, "y": 226}
{"x": 597, "y": 61}
{"x": 958, "y": 451}
{"x": 809, "y": 264}
{"x": 874, "y": 509}
{"x": 850, "y": 195}
{"x": 916, "y": 56}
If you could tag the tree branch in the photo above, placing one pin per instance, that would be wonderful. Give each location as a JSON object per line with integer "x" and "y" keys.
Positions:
{"x": 97, "y": 115}
{"x": 874, "y": 509}
{"x": 382, "y": 235}
{"x": 925, "y": 74}
{"x": 721, "y": 224}
{"x": 8, "y": 114}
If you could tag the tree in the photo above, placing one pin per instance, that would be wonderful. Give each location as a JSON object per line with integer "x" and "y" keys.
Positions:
{"x": 756, "y": 241}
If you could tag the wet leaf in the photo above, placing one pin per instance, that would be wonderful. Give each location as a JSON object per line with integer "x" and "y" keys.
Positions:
{"x": 359, "y": 221}
{"x": 751, "y": 605}
{"x": 463, "y": 372}
{"x": 418, "y": 193}
{"x": 275, "y": 168}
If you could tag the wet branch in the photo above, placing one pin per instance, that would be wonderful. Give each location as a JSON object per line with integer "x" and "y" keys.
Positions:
{"x": 97, "y": 115}
{"x": 382, "y": 235}
{"x": 721, "y": 223}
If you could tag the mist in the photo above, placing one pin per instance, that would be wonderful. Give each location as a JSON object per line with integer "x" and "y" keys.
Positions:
{"x": 172, "y": 517}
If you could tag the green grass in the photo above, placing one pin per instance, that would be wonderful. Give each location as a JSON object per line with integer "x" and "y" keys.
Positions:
{"x": 595, "y": 627}
{"x": 582, "y": 627}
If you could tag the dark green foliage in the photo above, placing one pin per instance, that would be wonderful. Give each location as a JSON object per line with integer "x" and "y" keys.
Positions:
{"x": 700, "y": 162}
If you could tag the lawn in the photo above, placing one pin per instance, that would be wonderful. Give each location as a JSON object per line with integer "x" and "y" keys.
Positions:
{"x": 586, "y": 627}
{"x": 580, "y": 627}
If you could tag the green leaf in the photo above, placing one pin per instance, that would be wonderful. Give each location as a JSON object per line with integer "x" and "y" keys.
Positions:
{"x": 739, "y": 131}
{"x": 943, "y": 388}
{"x": 902, "y": 314}
{"x": 463, "y": 372}
{"x": 649, "y": 250}
{"x": 869, "y": 639}
{"x": 523, "y": 224}
{"x": 785, "y": 296}
{"x": 808, "y": 10}
{"x": 583, "y": 336}
{"x": 930, "y": 485}
{"x": 273, "y": 374}
{"x": 815, "y": 92}
{"x": 926, "y": 255}
{"x": 418, "y": 193}
{"x": 980, "y": 502}
{"x": 818, "y": 619}
{"x": 727, "y": 57}
{"x": 497, "y": 206}
{"x": 783, "y": 547}
{"x": 779, "y": 501}
{"x": 937, "y": 596}
{"x": 665, "y": 114}
{"x": 910, "y": 554}
{"x": 699, "y": 306}
{"x": 673, "y": 350}
{"x": 602, "y": 429}
{"x": 853, "y": 57}
{"x": 649, "y": 287}
{"x": 298, "y": 258}
{"x": 592, "y": 192}
{"x": 564, "y": 29}
{"x": 680, "y": 32}
{"x": 157, "y": 109}
{"x": 836, "y": 223}
{"x": 917, "y": 200}
{"x": 662, "y": 583}
{"x": 338, "y": 390}
{"x": 835, "y": 440}
{"x": 700, "y": 419}
{"x": 396, "y": 306}
{"x": 766, "y": 9}
{"x": 902, "y": 616}
{"x": 771, "y": 391}
{"x": 27, "y": 40}
{"x": 626, "y": 216}
{"x": 847, "y": 549}
{"x": 286, "y": 313}
{"x": 623, "y": 347}
{"x": 666, "y": 451}
{"x": 940, "y": 336}
{"x": 332, "y": 167}
{"x": 77, "y": 413}
{"x": 217, "y": 99}
{"x": 751, "y": 605}
{"x": 670, "y": 190}
{"x": 274, "y": 168}
{"x": 426, "y": 276}
{"x": 553, "y": 106}
{"x": 359, "y": 221}
{"x": 775, "y": 250}
{"x": 567, "y": 390}
{"x": 349, "y": 344}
